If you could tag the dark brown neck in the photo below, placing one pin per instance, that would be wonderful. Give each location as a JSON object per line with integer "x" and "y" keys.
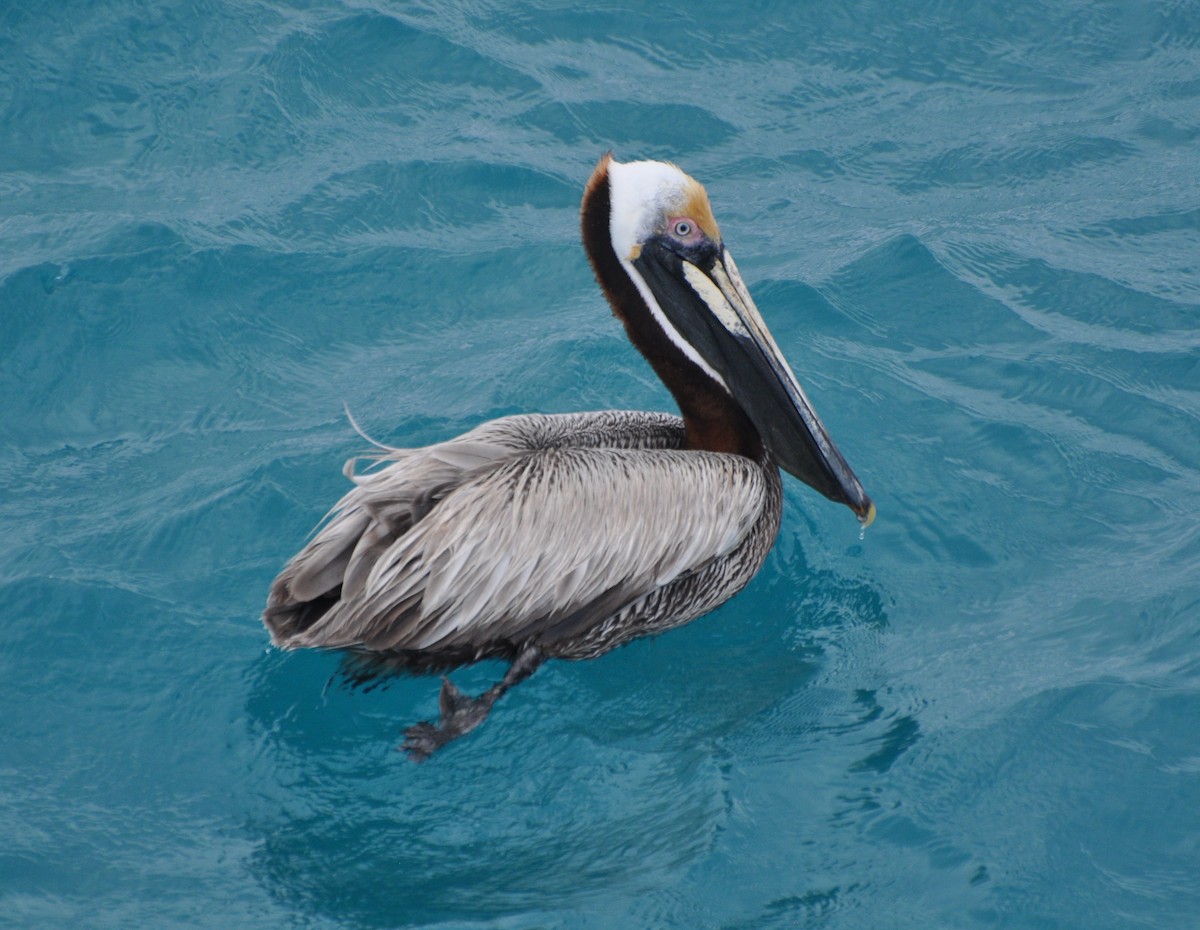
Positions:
{"x": 713, "y": 421}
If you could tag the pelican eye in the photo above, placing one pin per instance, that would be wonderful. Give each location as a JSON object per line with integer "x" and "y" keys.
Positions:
{"x": 685, "y": 236}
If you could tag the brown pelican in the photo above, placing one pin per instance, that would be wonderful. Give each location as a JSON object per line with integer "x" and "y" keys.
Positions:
{"x": 534, "y": 537}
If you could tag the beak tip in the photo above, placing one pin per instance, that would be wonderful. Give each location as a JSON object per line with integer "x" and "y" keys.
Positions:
{"x": 867, "y": 518}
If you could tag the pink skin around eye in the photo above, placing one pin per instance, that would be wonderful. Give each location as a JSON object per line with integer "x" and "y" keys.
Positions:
{"x": 684, "y": 229}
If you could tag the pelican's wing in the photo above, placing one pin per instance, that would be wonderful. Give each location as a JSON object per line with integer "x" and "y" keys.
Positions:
{"x": 557, "y": 537}
{"x": 385, "y": 503}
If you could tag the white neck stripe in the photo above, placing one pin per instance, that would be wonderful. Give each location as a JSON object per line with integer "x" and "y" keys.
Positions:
{"x": 672, "y": 333}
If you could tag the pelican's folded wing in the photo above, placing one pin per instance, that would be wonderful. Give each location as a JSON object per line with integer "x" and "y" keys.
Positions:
{"x": 388, "y": 501}
{"x": 557, "y": 539}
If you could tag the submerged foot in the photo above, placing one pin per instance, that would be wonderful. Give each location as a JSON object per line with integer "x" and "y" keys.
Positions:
{"x": 460, "y": 714}
{"x": 422, "y": 739}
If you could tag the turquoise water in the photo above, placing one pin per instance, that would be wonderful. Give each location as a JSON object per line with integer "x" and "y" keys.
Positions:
{"x": 974, "y": 230}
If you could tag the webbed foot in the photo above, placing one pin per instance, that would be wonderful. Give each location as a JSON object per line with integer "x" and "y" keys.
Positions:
{"x": 460, "y": 714}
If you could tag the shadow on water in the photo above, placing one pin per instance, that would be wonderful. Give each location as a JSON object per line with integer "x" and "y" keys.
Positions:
{"x": 592, "y": 778}
{"x": 531, "y": 808}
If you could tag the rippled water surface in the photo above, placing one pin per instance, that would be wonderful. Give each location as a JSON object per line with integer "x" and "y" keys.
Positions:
{"x": 974, "y": 230}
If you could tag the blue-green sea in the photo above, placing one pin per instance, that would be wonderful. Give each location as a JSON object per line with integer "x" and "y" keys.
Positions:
{"x": 974, "y": 229}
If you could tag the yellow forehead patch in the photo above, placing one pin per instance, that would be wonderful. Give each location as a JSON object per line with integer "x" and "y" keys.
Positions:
{"x": 695, "y": 205}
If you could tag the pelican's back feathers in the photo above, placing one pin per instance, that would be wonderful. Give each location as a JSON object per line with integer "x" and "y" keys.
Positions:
{"x": 529, "y": 528}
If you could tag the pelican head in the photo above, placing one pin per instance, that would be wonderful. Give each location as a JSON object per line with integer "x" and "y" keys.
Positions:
{"x": 662, "y": 238}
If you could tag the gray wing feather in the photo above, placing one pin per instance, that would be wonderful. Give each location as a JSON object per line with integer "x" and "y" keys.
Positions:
{"x": 383, "y": 505}
{"x": 386, "y": 503}
{"x": 544, "y": 540}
